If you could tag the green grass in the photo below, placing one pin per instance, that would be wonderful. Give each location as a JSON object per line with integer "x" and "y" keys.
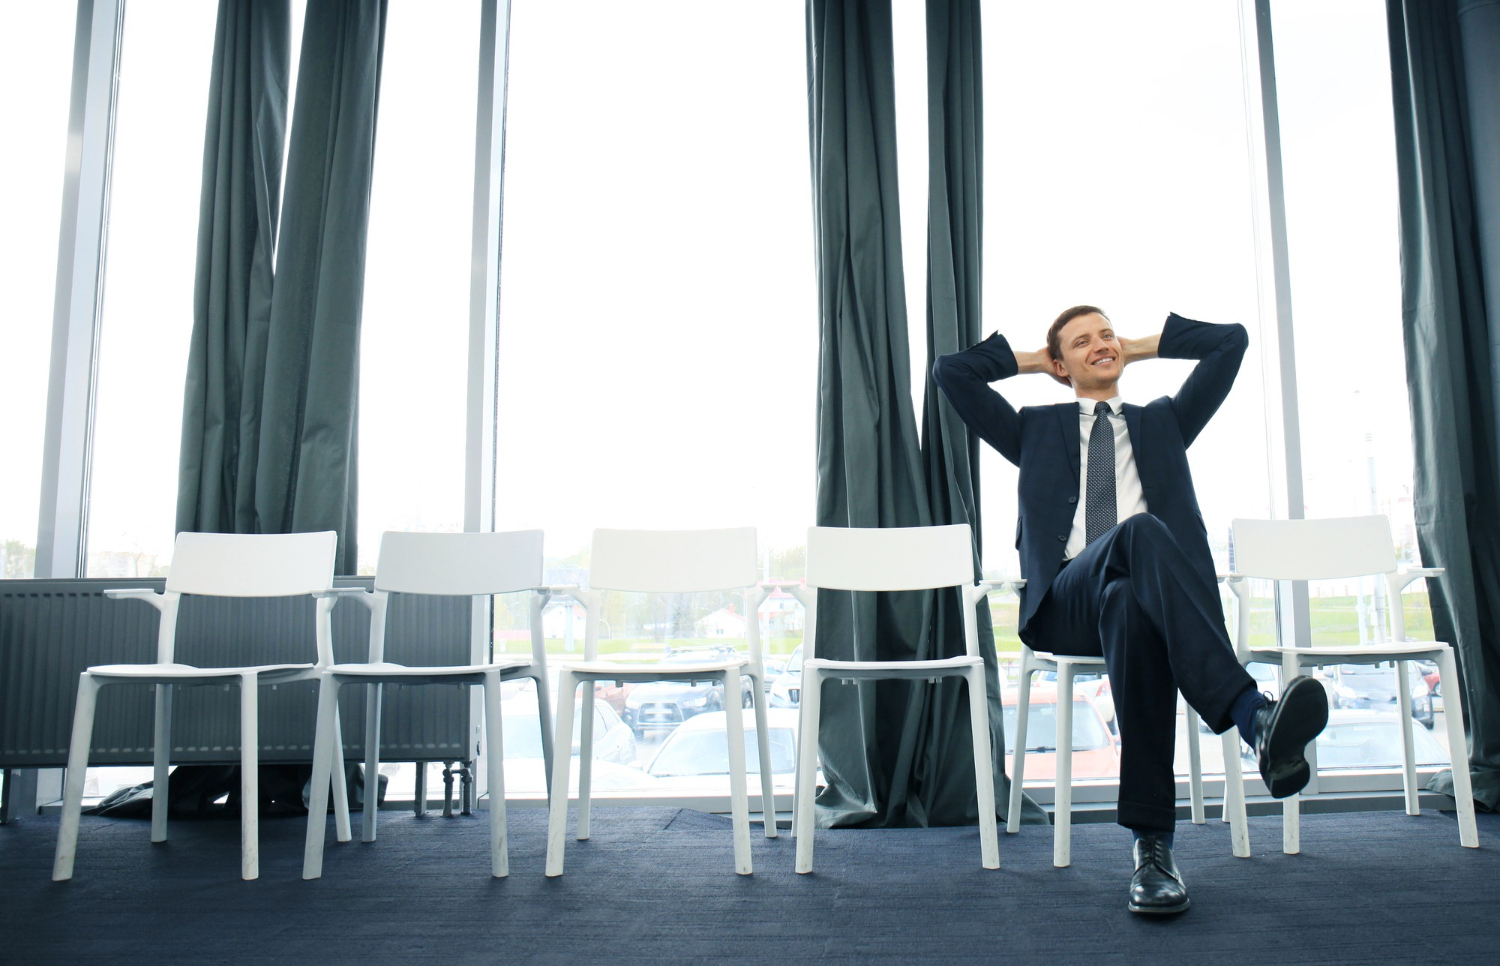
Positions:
{"x": 1334, "y": 621}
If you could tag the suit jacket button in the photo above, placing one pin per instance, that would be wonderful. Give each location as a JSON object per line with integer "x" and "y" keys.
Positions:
{"x": 1072, "y": 499}
{"x": 1062, "y": 537}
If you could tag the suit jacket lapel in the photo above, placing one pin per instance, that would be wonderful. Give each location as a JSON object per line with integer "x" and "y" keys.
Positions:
{"x": 1133, "y": 427}
{"x": 1067, "y": 418}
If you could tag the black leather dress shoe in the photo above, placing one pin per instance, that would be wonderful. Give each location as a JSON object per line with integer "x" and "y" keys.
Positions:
{"x": 1283, "y": 729}
{"x": 1156, "y": 889}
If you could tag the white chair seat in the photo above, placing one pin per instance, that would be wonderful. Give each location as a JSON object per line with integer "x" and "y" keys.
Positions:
{"x": 653, "y": 672}
{"x": 1354, "y": 653}
{"x": 386, "y": 669}
{"x": 185, "y": 673}
{"x": 866, "y": 670}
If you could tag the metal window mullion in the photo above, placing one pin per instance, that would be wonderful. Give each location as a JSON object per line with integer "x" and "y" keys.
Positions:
{"x": 482, "y": 363}
{"x": 62, "y": 520}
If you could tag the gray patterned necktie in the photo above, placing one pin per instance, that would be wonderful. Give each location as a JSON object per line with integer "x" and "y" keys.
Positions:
{"x": 1099, "y": 508}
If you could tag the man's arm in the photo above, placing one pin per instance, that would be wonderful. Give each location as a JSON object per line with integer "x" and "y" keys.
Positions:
{"x": 1219, "y": 350}
{"x": 965, "y": 377}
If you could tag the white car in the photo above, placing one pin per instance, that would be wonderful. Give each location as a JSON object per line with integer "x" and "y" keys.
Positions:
{"x": 696, "y": 755}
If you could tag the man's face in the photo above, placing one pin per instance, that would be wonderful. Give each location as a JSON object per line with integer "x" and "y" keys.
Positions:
{"x": 1091, "y": 357}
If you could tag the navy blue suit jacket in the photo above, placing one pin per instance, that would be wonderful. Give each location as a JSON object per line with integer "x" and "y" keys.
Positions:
{"x": 1044, "y": 442}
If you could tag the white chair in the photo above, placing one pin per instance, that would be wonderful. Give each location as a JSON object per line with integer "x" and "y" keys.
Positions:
{"x": 211, "y": 565}
{"x": 1065, "y": 666}
{"x": 665, "y": 561}
{"x": 447, "y": 564}
{"x": 1338, "y": 548}
{"x": 892, "y": 559}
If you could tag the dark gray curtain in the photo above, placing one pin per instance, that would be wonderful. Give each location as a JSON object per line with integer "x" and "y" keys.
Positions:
{"x": 1448, "y": 156}
{"x": 893, "y": 754}
{"x": 950, "y": 453}
{"x": 306, "y": 478}
{"x": 241, "y": 196}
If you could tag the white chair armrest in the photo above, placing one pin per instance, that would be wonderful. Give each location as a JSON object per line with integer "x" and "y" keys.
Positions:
{"x": 154, "y": 598}
{"x": 1404, "y": 575}
{"x": 337, "y": 594}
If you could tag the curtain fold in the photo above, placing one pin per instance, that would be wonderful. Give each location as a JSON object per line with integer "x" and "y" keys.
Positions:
{"x": 893, "y": 753}
{"x": 241, "y": 196}
{"x": 950, "y": 453}
{"x": 1450, "y": 201}
{"x": 307, "y": 459}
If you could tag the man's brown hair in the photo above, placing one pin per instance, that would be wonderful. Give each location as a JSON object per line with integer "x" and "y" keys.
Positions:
{"x": 1054, "y": 334}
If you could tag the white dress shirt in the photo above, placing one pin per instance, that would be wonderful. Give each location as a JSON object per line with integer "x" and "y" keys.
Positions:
{"x": 1129, "y": 499}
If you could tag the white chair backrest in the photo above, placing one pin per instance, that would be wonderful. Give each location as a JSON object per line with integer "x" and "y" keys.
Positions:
{"x": 252, "y": 564}
{"x": 459, "y": 564}
{"x": 673, "y": 561}
{"x": 889, "y": 558}
{"x": 1313, "y": 549}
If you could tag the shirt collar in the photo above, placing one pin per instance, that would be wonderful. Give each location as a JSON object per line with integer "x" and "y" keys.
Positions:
{"x": 1086, "y": 406}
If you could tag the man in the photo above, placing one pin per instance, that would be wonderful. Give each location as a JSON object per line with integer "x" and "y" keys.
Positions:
{"x": 1116, "y": 557}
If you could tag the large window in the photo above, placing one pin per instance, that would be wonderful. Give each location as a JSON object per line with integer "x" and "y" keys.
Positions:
{"x": 147, "y": 319}
{"x": 658, "y": 304}
{"x": 415, "y": 329}
{"x": 36, "y": 56}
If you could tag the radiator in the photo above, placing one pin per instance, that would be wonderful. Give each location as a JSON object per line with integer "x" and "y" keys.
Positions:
{"x": 50, "y": 630}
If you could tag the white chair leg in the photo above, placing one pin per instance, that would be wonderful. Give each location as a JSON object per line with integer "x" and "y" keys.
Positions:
{"x": 1195, "y": 768}
{"x": 1234, "y": 794}
{"x": 1408, "y": 740}
{"x": 161, "y": 763}
{"x": 374, "y": 693}
{"x": 984, "y": 769}
{"x": 494, "y": 751}
{"x": 1018, "y": 760}
{"x": 585, "y": 760}
{"x": 807, "y": 766}
{"x": 341, "y": 782}
{"x": 544, "y": 719}
{"x": 739, "y": 795}
{"x": 1458, "y": 750}
{"x": 322, "y": 778}
{"x": 557, "y": 809}
{"x": 763, "y": 749}
{"x": 249, "y": 776}
{"x": 78, "y": 766}
{"x": 1291, "y": 807}
{"x": 1291, "y": 824}
{"x": 1062, "y": 833}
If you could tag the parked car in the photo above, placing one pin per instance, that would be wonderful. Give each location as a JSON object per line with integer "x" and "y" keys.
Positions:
{"x": 667, "y": 704}
{"x": 1374, "y": 686}
{"x": 615, "y": 751}
{"x": 1096, "y": 751}
{"x": 1093, "y": 685}
{"x": 522, "y": 735}
{"x": 699, "y": 750}
{"x": 1366, "y": 739}
{"x": 786, "y": 691}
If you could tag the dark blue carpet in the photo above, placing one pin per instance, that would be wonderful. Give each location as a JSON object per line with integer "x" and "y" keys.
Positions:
{"x": 656, "y": 885}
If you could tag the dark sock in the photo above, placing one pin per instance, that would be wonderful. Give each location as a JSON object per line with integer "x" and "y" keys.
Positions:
{"x": 1166, "y": 836}
{"x": 1243, "y": 712}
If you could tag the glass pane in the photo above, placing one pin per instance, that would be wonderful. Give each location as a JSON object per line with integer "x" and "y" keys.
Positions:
{"x": 1333, "y": 68}
{"x": 166, "y": 55}
{"x": 36, "y": 56}
{"x": 415, "y": 330}
{"x": 658, "y": 336}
